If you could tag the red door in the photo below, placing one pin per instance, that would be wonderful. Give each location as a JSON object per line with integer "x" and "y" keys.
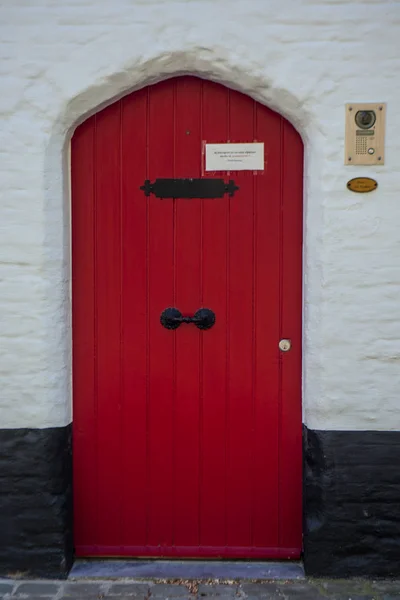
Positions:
{"x": 187, "y": 442}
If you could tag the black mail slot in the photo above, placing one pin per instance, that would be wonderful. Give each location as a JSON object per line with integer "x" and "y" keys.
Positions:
{"x": 189, "y": 188}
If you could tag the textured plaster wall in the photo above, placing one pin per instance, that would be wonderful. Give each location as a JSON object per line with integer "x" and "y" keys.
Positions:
{"x": 60, "y": 61}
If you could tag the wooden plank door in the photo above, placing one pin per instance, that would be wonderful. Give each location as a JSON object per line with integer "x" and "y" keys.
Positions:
{"x": 187, "y": 442}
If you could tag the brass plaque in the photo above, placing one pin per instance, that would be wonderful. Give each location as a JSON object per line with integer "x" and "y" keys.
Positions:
{"x": 362, "y": 185}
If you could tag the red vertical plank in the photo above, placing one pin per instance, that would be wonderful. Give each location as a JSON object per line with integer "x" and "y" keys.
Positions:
{"x": 83, "y": 323}
{"x": 134, "y": 303}
{"x": 108, "y": 300}
{"x": 290, "y": 488}
{"x": 161, "y": 341}
{"x": 213, "y": 418}
{"x": 188, "y": 300}
{"x": 240, "y": 289}
{"x": 265, "y": 459}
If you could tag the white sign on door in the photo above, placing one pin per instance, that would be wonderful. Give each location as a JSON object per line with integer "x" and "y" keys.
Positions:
{"x": 235, "y": 157}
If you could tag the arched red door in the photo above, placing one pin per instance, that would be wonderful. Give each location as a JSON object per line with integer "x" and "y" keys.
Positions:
{"x": 187, "y": 442}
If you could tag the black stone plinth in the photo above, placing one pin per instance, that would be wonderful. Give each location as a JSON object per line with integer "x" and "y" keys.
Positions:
{"x": 36, "y": 502}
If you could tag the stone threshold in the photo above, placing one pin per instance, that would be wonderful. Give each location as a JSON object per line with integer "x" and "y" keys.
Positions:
{"x": 186, "y": 569}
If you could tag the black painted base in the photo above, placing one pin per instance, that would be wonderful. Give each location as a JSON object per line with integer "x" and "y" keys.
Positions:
{"x": 36, "y": 502}
{"x": 351, "y": 503}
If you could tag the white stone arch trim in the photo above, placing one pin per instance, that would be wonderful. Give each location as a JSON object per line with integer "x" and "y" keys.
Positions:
{"x": 92, "y": 91}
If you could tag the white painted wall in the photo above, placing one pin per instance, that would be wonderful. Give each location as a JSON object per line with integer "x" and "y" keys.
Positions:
{"x": 60, "y": 61}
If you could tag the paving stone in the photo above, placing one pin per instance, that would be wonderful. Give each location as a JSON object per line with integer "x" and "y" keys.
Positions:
{"x": 340, "y": 587}
{"x": 6, "y": 587}
{"x": 260, "y": 590}
{"x": 41, "y": 588}
{"x": 37, "y": 597}
{"x": 350, "y": 596}
{"x": 217, "y": 590}
{"x": 387, "y": 586}
{"x": 81, "y": 596}
{"x": 78, "y": 589}
{"x": 271, "y": 596}
{"x": 166, "y": 590}
{"x": 230, "y": 596}
{"x": 297, "y": 590}
{"x": 92, "y": 596}
{"x": 141, "y": 596}
{"x": 129, "y": 589}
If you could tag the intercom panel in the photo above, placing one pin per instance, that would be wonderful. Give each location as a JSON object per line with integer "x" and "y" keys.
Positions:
{"x": 365, "y": 134}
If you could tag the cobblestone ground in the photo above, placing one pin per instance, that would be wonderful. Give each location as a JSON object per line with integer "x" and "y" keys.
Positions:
{"x": 137, "y": 590}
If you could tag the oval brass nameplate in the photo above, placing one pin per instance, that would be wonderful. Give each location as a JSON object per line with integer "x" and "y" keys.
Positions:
{"x": 362, "y": 185}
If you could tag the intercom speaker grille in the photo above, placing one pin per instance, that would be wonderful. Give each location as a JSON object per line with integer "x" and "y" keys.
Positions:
{"x": 361, "y": 145}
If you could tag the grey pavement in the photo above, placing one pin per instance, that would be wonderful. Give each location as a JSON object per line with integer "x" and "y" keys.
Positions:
{"x": 124, "y": 589}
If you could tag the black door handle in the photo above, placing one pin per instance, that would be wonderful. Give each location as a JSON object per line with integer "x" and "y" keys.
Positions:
{"x": 171, "y": 318}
